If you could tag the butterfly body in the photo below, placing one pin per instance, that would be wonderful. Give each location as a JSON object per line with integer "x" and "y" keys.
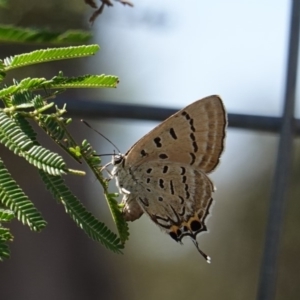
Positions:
{"x": 164, "y": 173}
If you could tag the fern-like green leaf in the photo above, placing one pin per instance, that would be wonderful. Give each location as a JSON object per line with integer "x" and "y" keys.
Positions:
{"x": 17, "y": 141}
{"x": 6, "y": 215}
{"x": 120, "y": 222}
{"x": 2, "y": 66}
{"x": 12, "y": 197}
{"x": 59, "y": 82}
{"x": 4, "y": 250}
{"x": 24, "y": 85}
{"x": 9, "y": 33}
{"x": 90, "y": 155}
{"x": 50, "y": 54}
{"x": 2, "y": 70}
{"x": 84, "y": 219}
{"x": 86, "y": 81}
{"x": 25, "y": 126}
{"x": 45, "y": 160}
{"x": 22, "y": 99}
{"x": 12, "y": 136}
{"x": 5, "y": 236}
{"x": 51, "y": 126}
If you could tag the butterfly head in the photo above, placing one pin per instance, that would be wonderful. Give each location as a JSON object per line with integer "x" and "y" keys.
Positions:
{"x": 118, "y": 159}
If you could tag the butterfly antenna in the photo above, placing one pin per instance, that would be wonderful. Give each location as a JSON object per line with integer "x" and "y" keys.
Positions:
{"x": 207, "y": 258}
{"x": 88, "y": 125}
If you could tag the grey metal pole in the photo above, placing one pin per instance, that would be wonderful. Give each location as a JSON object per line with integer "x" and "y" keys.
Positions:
{"x": 97, "y": 110}
{"x": 279, "y": 192}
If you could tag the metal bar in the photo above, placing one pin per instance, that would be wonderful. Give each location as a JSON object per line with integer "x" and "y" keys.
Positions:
{"x": 268, "y": 273}
{"x": 100, "y": 110}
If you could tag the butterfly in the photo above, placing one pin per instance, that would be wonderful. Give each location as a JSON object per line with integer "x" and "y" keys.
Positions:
{"x": 164, "y": 174}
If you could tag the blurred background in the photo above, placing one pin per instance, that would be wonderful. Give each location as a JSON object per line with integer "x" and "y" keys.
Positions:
{"x": 166, "y": 53}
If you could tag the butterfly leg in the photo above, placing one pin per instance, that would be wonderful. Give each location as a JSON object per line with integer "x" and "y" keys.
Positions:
{"x": 110, "y": 175}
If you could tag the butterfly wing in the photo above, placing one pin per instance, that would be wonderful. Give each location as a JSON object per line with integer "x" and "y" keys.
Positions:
{"x": 194, "y": 135}
{"x": 176, "y": 196}
{"x": 165, "y": 171}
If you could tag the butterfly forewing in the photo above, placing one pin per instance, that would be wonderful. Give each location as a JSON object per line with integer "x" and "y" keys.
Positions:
{"x": 197, "y": 130}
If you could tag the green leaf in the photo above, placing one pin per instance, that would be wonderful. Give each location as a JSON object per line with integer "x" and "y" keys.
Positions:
{"x": 23, "y": 87}
{"x": 9, "y": 33}
{"x": 12, "y": 136}
{"x": 4, "y": 250}
{"x": 25, "y": 126}
{"x": 84, "y": 219}
{"x": 60, "y": 82}
{"x": 120, "y": 222}
{"x": 45, "y": 160}
{"x": 5, "y": 236}
{"x": 53, "y": 128}
{"x": 75, "y": 151}
{"x": 12, "y": 197}
{"x": 50, "y": 54}
{"x": 23, "y": 99}
{"x": 6, "y": 215}
{"x": 86, "y": 81}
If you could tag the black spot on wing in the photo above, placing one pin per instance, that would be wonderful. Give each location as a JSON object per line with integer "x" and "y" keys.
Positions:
{"x": 193, "y": 138}
{"x": 171, "y": 187}
{"x": 165, "y": 169}
{"x": 143, "y": 153}
{"x": 173, "y": 134}
{"x": 192, "y": 125}
{"x": 187, "y": 194}
{"x": 186, "y": 115}
{"x": 182, "y": 212}
{"x": 161, "y": 183}
{"x": 181, "y": 199}
{"x": 193, "y": 158}
{"x": 195, "y": 146}
{"x": 192, "y": 128}
{"x": 173, "y": 235}
{"x": 157, "y": 142}
{"x": 163, "y": 156}
{"x": 195, "y": 225}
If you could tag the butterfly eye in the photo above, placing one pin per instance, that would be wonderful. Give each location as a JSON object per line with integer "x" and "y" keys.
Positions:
{"x": 118, "y": 159}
